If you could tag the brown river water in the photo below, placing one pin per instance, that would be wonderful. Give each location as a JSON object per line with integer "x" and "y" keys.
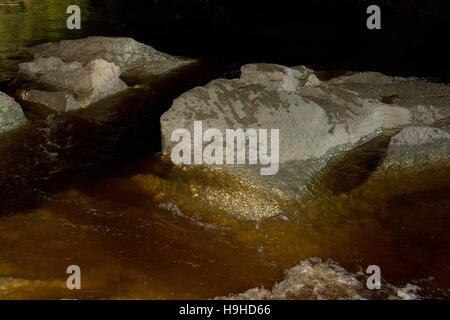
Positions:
{"x": 89, "y": 188}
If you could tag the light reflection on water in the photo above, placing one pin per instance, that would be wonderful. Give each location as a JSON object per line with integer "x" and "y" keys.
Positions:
{"x": 162, "y": 243}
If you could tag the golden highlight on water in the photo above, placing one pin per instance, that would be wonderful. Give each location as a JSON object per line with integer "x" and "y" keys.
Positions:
{"x": 160, "y": 234}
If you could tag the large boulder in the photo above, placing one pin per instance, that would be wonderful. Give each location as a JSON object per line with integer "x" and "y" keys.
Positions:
{"x": 312, "y": 118}
{"x": 11, "y": 114}
{"x": 74, "y": 86}
{"x": 134, "y": 59}
{"x": 317, "y": 119}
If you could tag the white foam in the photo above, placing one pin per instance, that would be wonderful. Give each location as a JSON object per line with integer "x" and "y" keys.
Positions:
{"x": 314, "y": 279}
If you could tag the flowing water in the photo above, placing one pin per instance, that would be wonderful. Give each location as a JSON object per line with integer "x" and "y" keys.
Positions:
{"x": 89, "y": 188}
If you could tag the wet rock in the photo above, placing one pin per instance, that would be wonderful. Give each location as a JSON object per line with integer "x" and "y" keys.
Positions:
{"x": 413, "y": 145}
{"x": 58, "y": 101}
{"x": 428, "y": 102}
{"x": 87, "y": 70}
{"x": 312, "y": 119}
{"x": 316, "y": 119}
{"x": 78, "y": 86}
{"x": 276, "y": 77}
{"x": 11, "y": 114}
{"x": 134, "y": 59}
{"x": 212, "y": 191}
{"x": 41, "y": 66}
{"x": 418, "y": 154}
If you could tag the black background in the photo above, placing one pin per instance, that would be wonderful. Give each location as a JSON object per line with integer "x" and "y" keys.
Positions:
{"x": 325, "y": 34}
{"x": 280, "y": 309}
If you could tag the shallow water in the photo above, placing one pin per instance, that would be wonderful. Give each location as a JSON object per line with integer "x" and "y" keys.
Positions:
{"x": 88, "y": 188}
{"x": 161, "y": 242}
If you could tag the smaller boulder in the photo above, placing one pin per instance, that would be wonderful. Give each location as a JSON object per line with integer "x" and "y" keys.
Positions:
{"x": 11, "y": 114}
{"x": 135, "y": 59}
{"x": 78, "y": 86}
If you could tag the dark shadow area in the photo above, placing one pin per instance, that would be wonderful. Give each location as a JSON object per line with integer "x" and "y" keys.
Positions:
{"x": 349, "y": 170}
{"x": 325, "y": 34}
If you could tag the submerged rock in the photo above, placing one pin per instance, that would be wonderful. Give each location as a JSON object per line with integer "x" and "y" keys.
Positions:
{"x": 212, "y": 191}
{"x": 11, "y": 114}
{"x": 134, "y": 59}
{"x": 78, "y": 86}
{"x": 317, "y": 120}
{"x": 58, "y": 101}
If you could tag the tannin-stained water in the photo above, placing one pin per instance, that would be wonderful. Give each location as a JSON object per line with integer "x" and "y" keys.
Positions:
{"x": 87, "y": 189}
{"x": 135, "y": 243}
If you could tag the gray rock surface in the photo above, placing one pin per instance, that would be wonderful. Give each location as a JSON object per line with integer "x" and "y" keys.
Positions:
{"x": 41, "y": 66}
{"x": 73, "y": 74}
{"x": 317, "y": 119}
{"x": 428, "y": 102}
{"x": 418, "y": 144}
{"x": 11, "y": 114}
{"x": 78, "y": 85}
{"x": 134, "y": 59}
{"x": 312, "y": 118}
